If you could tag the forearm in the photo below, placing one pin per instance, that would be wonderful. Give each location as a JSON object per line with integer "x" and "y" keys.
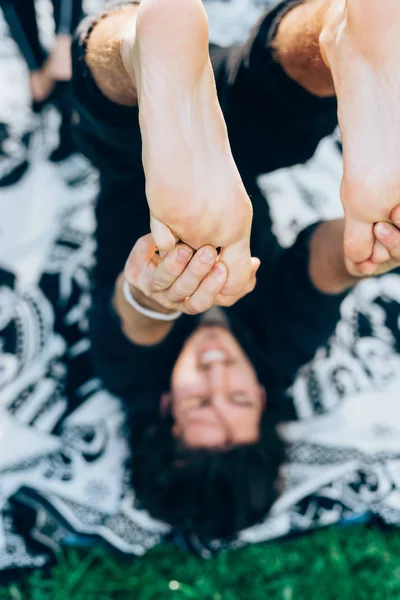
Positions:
{"x": 297, "y": 47}
{"x": 138, "y": 328}
{"x": 327, "y": 267}
{"x": 103, "y": 56}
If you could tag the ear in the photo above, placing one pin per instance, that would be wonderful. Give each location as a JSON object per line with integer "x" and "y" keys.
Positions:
{"x": 263, "y": 394}
{"x": 165, "y": 404}
{"x": 176, "y": 431}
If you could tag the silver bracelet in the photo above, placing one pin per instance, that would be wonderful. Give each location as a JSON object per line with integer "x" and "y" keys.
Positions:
{"x": 146, "y": 312}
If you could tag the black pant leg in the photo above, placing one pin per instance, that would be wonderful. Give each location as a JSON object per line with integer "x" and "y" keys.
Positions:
{"x": 272, "y": 121}
{"x": 67, "y": 15}
{"x": 21, "y": 20}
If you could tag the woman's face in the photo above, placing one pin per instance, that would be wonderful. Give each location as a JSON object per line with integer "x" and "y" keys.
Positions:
{"x": 216, "y": 397}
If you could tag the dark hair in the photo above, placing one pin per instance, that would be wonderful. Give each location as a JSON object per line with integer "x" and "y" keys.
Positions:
{"x": 211, "y": 493}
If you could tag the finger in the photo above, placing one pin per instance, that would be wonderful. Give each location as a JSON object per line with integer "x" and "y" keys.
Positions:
{"x": 224, "y": 300}
{"x": 228, "y": 301}
{"x": 238, "y": 262}
{"x": 170, "y": 268}
{"x": 363, "y": 269}
{"x": 395, "y": 216}
{"x": 389, "y": 236}
{"x": 163, "y": 237}
{"x": 358, "y": 240}
{"x": 206, "y": 294}
{"x": 198, "y": 268}
{"x": 140, "y": 256}
{"x": 380, "y": 254}
{"x": 368, "y": 267}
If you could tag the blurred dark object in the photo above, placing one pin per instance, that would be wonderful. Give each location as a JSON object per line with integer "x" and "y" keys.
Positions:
{"x": 49, "y": 75}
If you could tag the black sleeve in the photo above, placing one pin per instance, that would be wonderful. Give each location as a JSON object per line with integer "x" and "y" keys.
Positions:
{"x": 272, "y": 121}
{"x": 299, "y": 318}
{"x": 288, "y": 316}
{"x": 138, "y": 374}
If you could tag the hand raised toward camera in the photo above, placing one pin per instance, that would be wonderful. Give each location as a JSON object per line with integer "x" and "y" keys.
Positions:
{"x": 386, "y": 254}
{"x": 184, "y": 280}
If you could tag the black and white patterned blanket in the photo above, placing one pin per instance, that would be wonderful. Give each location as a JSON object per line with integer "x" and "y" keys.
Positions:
{"x": 63, "y": 450}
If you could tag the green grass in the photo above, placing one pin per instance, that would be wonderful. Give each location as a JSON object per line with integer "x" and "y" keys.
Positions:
{"x": 351, "y": 563}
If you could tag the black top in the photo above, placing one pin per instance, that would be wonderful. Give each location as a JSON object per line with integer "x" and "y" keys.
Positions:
{"x": 272, "y": 122}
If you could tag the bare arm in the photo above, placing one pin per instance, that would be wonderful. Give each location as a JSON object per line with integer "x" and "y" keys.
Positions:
{"x": 327, "y": 266}
{"x": 298, "y": 49}
{"x": 296, "y": 44}
{"x": 136, "y": 327}
{"x": 104, "y": 56}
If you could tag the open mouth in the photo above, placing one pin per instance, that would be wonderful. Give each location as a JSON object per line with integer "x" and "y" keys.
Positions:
{"x": 213, "y": 353}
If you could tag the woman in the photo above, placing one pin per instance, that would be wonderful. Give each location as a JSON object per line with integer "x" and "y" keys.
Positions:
{"x": 202, "y": 392}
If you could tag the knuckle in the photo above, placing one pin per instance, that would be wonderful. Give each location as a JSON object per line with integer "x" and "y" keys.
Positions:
{"x": 169, "y": 270}
{"x": 158, "y": 285}
{"x": 180, "y": 293}
{"x": 187, "y": 285}
{"x": 183, "y": 251}
{"x": 189, "y": 309}
{"x": 131, "y": 269}
{"x": 131, "y": 277}
{"x": 195, "y": 306}
{"x": 198, "y": 270}
{"x": 203, "y": 261}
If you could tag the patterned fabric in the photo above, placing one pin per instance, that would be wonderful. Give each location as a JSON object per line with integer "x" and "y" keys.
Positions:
{"x": 63, "y": 449}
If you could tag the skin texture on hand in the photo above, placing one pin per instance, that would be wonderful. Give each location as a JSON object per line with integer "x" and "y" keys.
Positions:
{"x": 331, "y": 272}
{"x": 184, "y": 280}
{"x": 388, "y": 236}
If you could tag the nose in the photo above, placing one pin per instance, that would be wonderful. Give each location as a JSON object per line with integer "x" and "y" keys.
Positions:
{"x": 217, "y": 375}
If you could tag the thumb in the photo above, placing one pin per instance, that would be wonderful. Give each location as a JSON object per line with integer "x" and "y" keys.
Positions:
{"x": 163, "y": 237}
{"x": 358, "y": 240}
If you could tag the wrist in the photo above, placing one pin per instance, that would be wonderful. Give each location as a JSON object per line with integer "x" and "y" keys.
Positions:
{"x": 327, "y": 267}
{"x": 154, "y": 315}
{"x": 146, "y": 302}
{"x": 137, "y": 327}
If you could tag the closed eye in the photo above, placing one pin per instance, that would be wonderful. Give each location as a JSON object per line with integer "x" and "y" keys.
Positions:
{"x": 240, "y": 399}
{"x": 195, "y": 402}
